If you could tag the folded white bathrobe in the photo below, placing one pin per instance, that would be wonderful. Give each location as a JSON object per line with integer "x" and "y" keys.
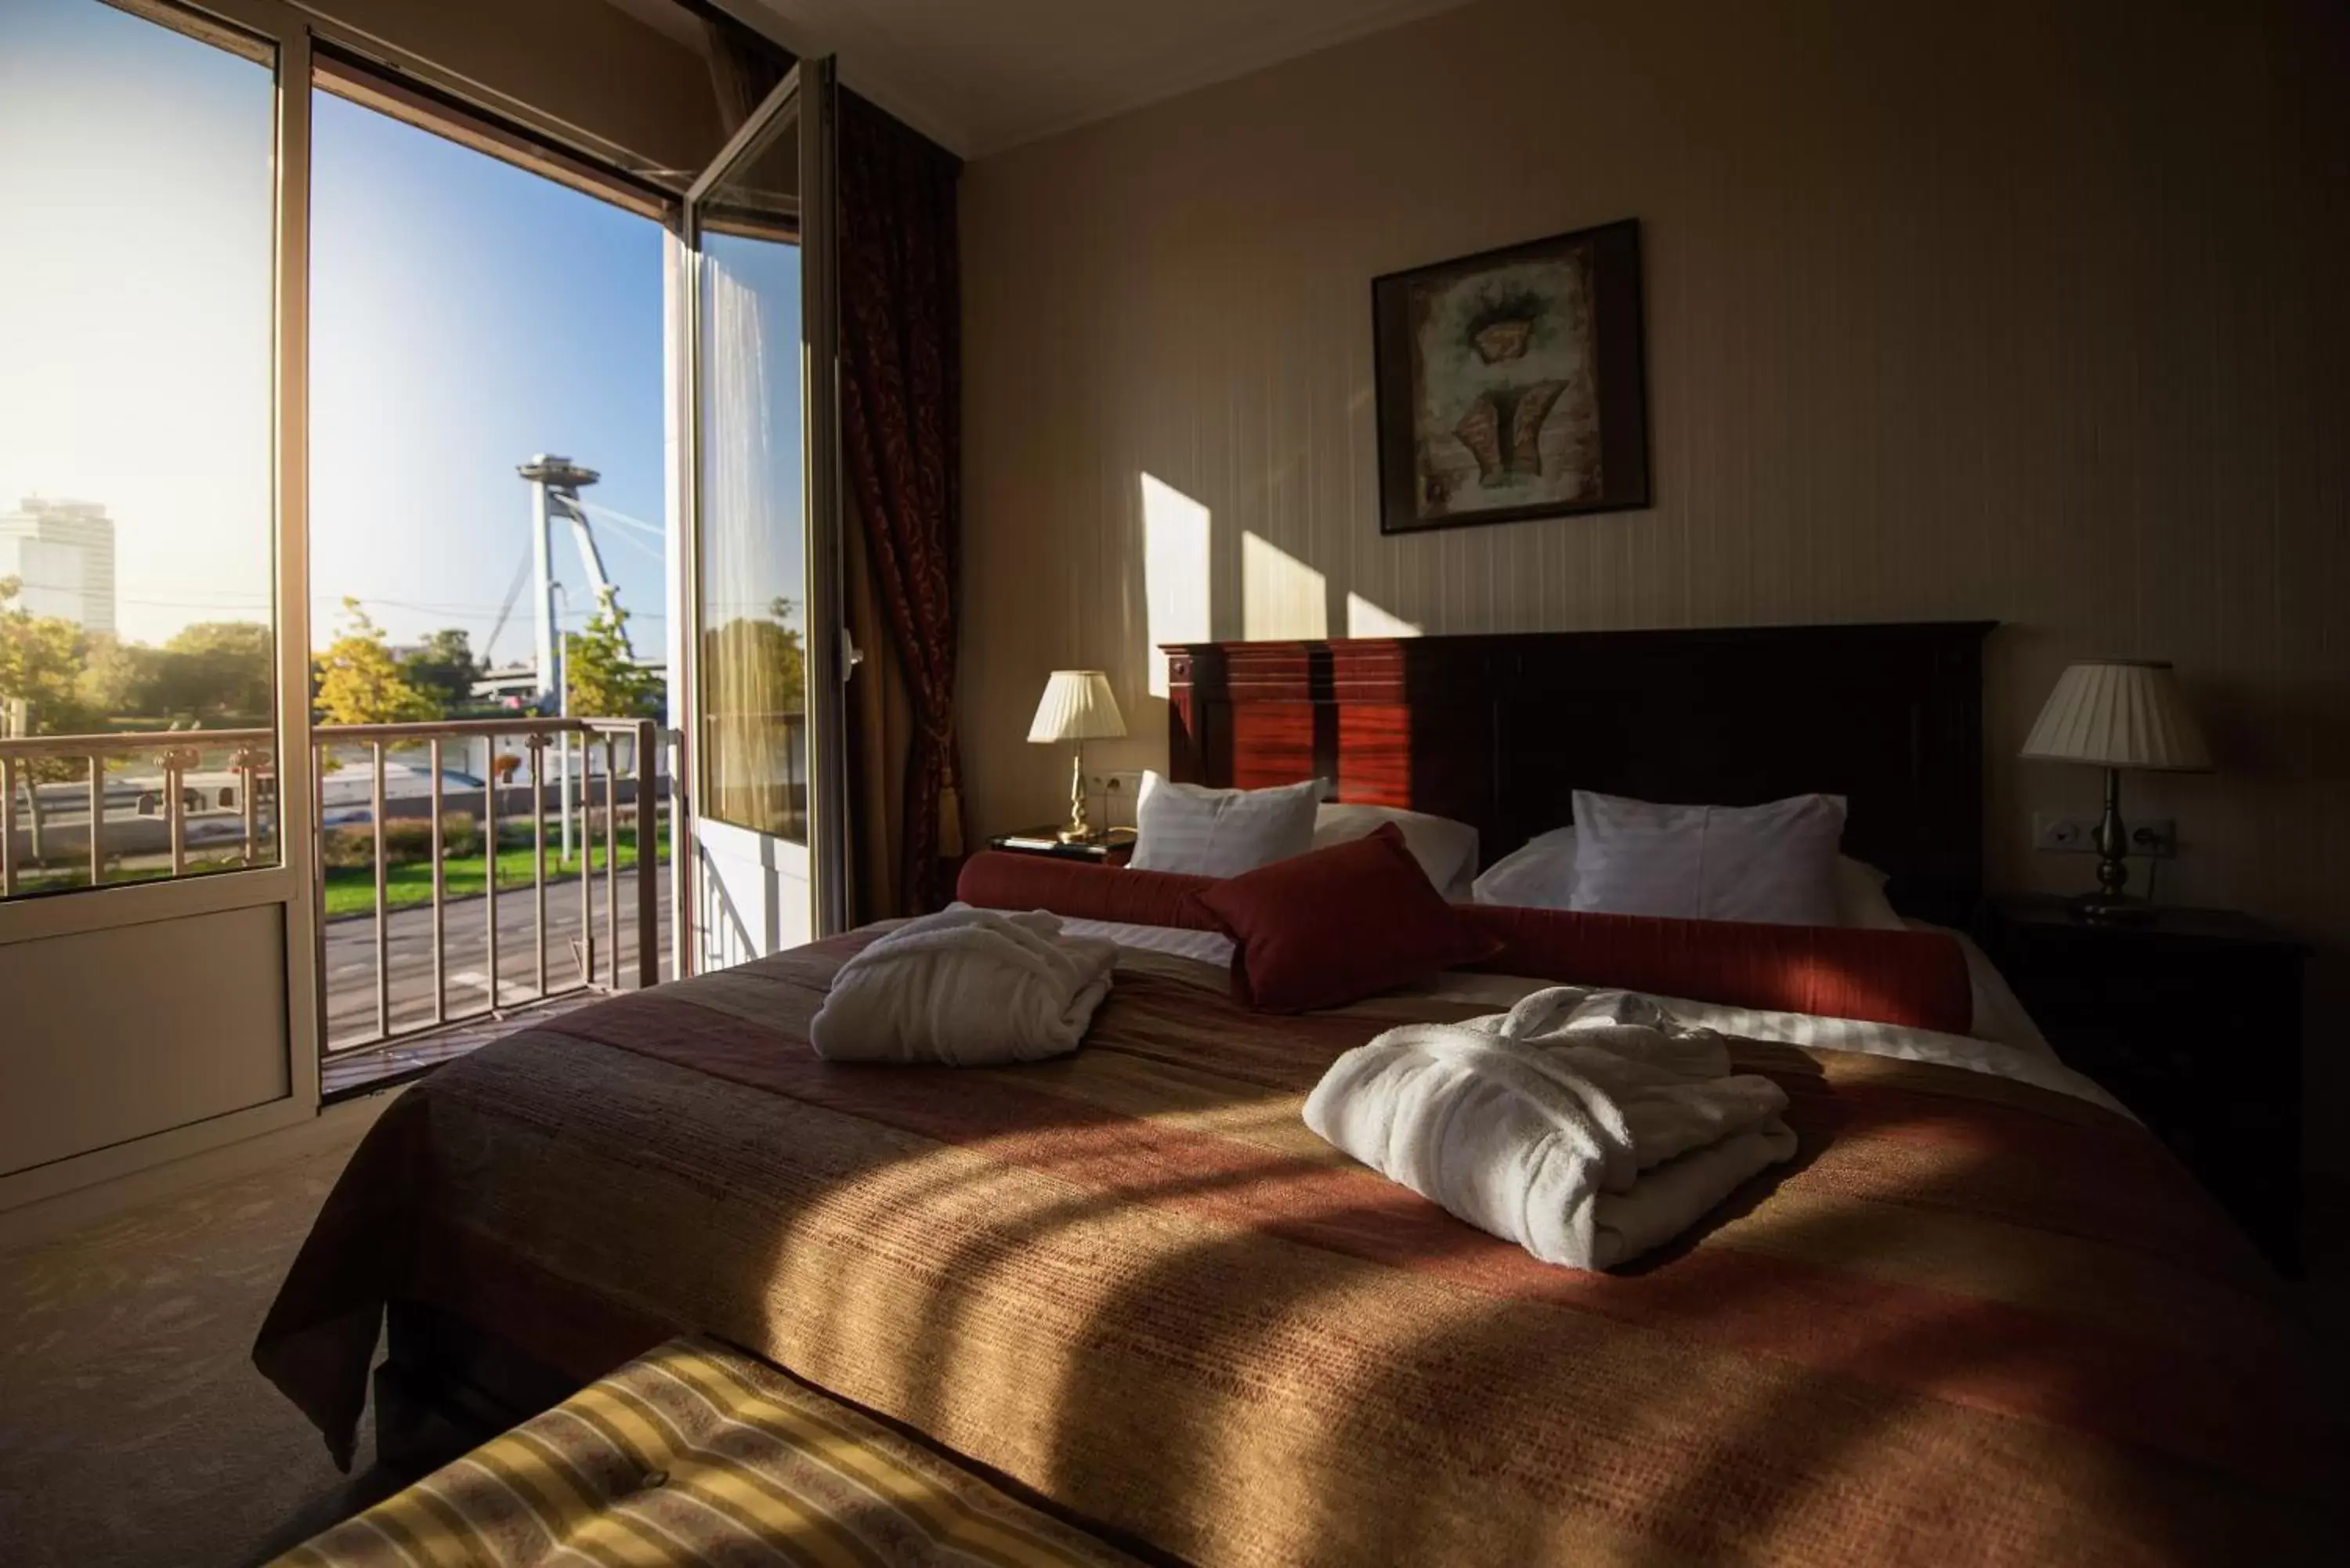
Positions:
{"x": 966, "y": 987}
{"x": 1586, "y": 1125}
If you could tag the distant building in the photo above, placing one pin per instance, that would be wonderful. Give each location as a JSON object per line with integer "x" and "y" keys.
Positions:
{"x": 63, "y": 551}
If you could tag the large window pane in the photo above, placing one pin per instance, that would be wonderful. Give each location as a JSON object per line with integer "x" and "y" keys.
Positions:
{"x": 137, "y": 522}
{"x": 753, "y": 582}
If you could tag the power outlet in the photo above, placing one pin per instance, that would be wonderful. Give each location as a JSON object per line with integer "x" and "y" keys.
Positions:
{"x": 2061, "y": 834}
{"x": 1119, "y": 791}
{"x": 2153, "y": 837}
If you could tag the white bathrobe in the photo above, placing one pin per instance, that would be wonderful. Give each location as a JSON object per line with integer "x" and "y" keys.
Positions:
{"x": 1586, "y": 1125}
{"x": 966, "y": 987}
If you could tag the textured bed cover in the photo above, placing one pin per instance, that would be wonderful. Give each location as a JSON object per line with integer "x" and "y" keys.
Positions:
{"x": 1978, "y": 1320}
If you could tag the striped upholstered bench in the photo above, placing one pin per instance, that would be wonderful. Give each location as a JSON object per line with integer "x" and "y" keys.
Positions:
{"x": 695, "y": 1452}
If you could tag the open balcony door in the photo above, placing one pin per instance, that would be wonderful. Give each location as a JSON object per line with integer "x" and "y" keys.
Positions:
{"x": 758, "y": 653}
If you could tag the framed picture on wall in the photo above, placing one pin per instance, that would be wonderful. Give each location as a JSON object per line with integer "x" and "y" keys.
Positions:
{"x": 1511, "y": 384}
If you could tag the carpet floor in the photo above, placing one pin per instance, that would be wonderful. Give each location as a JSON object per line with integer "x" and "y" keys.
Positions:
{"x": 133, "y": 1428}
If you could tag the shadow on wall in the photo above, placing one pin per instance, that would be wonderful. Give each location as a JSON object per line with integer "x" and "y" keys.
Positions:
{"x": 1278, "y": 595}
{"x": 1269, "y": 595}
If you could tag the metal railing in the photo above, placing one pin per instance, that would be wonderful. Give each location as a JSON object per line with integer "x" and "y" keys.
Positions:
{"x": 178, "y": 752}
{"x": 630, "y": 752}
{"x": 597, "y": 963}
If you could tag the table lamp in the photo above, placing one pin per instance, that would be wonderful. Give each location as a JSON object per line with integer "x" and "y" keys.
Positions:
{"x": 2118, "y": 713}
{"x": 1077, "y": 706}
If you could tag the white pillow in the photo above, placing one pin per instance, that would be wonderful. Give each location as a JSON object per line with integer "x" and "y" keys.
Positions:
{"x": 1540, "y": 874}
{"x": 1774, "y": 864}
{"x": 1446, "y": 849}
{"x": 1860, "y": 898}
{"x": 1537, "y": 875}
{"x": 1221, "y": 832}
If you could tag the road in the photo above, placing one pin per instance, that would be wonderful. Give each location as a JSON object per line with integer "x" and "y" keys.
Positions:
{"x": 350, "y": 954}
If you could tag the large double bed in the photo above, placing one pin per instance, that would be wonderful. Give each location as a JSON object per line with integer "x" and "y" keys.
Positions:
{"x": 1982, "y": 1317}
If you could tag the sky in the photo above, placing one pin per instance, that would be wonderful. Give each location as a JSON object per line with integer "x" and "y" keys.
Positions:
{"x": 135, "y": 318}
{"x": 465, "y": 316}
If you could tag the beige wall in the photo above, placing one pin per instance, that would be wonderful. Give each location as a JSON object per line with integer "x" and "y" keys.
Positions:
{"x": 2018, "y": 310}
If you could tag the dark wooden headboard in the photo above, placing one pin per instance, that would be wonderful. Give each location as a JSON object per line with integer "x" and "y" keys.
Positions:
{"x": 1499, "y": 730}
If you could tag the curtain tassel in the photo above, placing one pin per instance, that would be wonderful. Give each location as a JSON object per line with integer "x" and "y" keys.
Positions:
{"x": 950, "y": 817}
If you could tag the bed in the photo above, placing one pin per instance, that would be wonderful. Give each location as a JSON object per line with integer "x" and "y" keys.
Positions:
{"x": 1985, "y": 1317}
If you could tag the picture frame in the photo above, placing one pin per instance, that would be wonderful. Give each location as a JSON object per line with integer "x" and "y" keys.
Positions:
{"x": 1512, "y": 384}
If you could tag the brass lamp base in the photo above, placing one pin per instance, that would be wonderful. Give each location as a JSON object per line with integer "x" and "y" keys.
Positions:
{"x": 1078, "y": 831}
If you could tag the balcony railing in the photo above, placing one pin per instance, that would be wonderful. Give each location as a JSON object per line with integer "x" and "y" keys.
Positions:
{"x": 597, "y": 963}
{"x": 222, "y": 784}
{"x": 249, "y": 758}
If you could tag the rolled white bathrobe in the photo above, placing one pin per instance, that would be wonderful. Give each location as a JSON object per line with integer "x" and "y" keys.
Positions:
{"x": 966, "y": 987}
{"x": 1586, "y": 1125}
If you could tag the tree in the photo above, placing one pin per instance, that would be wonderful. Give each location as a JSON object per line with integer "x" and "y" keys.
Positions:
{"x": 357, "y": 681}
{"x": 221, "y": 669}
{"x": 444, "y": 666}
{"x": 121, "y": 677}
{"x": 757, "y": 665}
{"x": 41, "y": 659}
{"x": 603, "y": 681}
{"x": 211, "y": 672}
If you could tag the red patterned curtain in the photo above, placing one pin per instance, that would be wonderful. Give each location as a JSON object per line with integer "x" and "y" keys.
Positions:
{"x": 902, "y": 445}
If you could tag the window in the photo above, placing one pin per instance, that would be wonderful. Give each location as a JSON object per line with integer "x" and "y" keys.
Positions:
{"x": 138, "y": 631}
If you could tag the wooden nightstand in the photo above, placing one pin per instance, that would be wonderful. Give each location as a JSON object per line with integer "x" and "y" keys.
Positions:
{"x": 2193, "y": 1020}
{"x": 1103, "y": 849}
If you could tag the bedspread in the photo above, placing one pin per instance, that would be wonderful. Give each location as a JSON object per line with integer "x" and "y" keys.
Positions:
{"x": 1975, "y": 1321}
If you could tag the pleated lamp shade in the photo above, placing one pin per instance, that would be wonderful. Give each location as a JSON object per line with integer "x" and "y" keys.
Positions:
{"x": 1077, "y": 706}
{"x": 2119, "y": 714}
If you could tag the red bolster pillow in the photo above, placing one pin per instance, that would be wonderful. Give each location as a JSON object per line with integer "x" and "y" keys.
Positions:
{"x": 1915, "y": 979}
{"x": 997, "y": 879}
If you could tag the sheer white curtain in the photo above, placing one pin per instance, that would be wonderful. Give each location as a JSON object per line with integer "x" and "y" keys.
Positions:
{"x": 753, "y": 690}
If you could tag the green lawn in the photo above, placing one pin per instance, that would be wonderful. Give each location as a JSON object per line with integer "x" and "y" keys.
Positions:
{"x": 350, "y": 890}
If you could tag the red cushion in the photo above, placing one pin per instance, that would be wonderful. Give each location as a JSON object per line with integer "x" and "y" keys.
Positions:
{"x": 1333, "y": 926}
{"x": 1918, "y": 979}
{"x": 997, "y": 879}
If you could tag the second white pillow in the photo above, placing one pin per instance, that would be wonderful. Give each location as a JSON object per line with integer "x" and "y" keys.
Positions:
{"x": 1774, "y": 864}
{"x": 1540, "y": 874}
{"x": 1206, "y": 832}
